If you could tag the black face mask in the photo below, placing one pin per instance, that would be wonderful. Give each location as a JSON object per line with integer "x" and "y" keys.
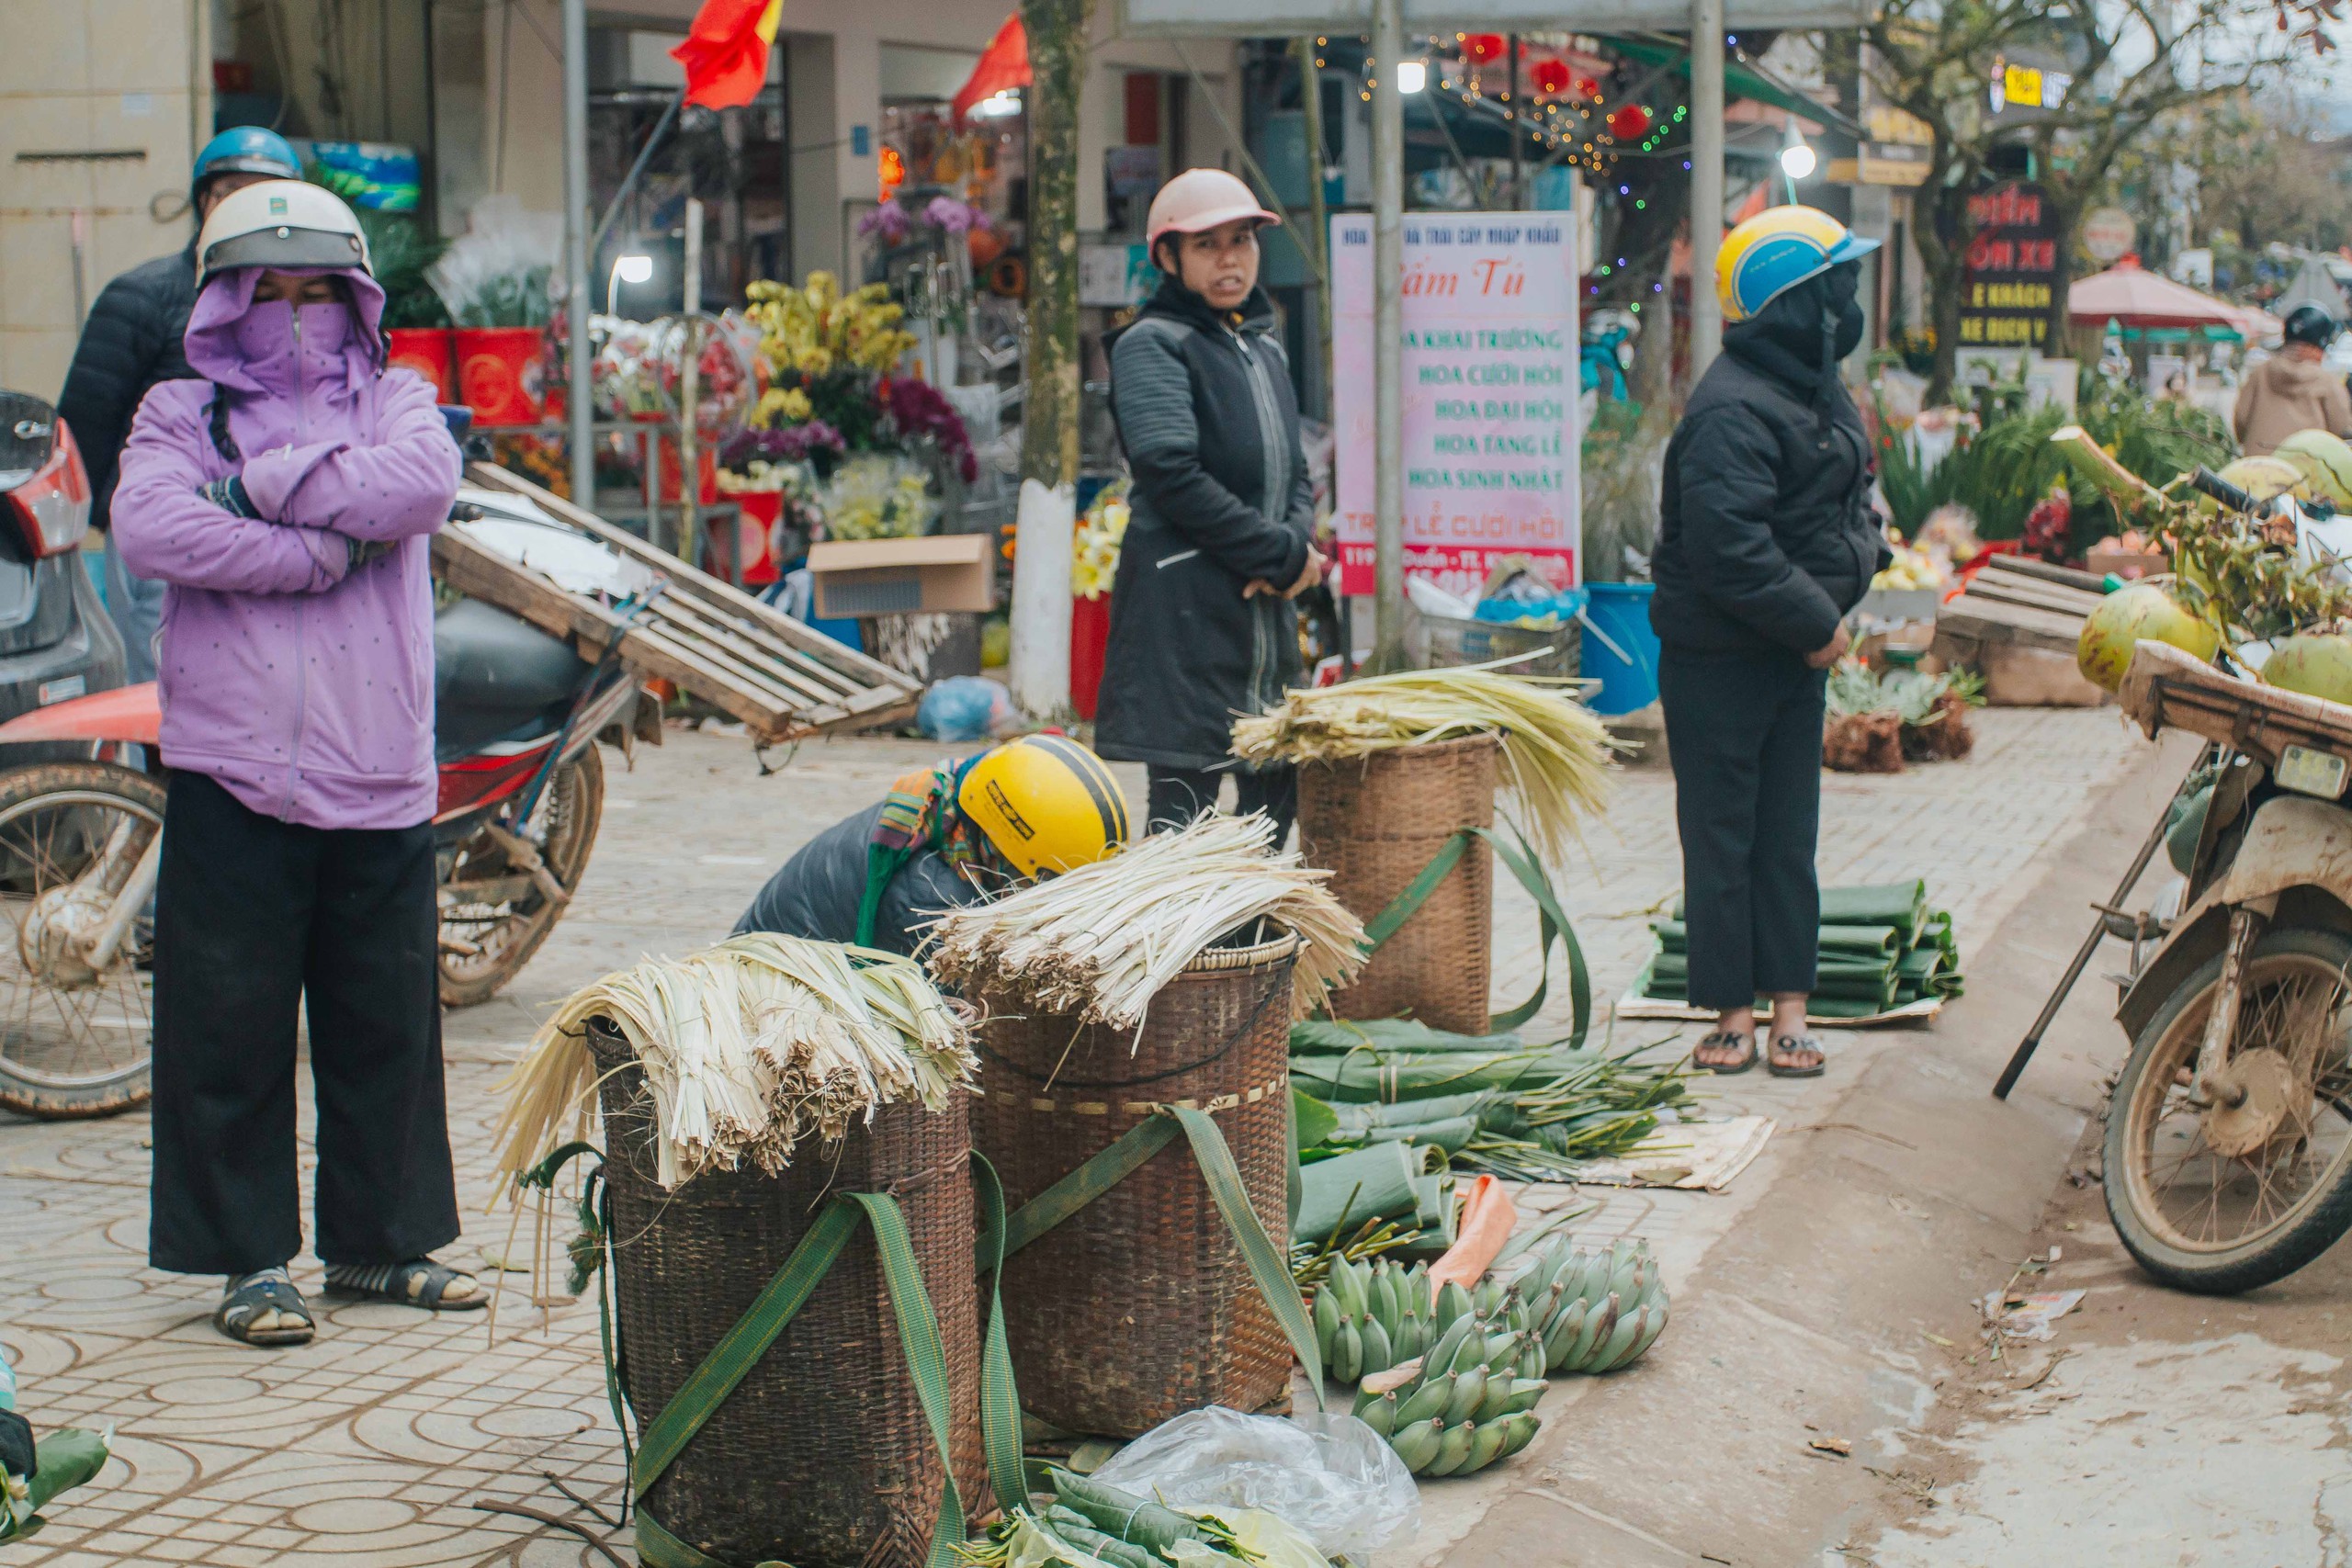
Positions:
{"x": 1843, "y": 283}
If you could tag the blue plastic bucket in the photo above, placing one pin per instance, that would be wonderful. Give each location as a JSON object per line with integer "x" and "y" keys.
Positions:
{"x": 1621, "y": 612}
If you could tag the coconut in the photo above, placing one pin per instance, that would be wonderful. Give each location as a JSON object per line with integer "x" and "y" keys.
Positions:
{"x": 2130, "y": 615}
{"x": 2324, "y": 459}
{"x": 2263, "y": 477}
{"x": 2318, "y": 664}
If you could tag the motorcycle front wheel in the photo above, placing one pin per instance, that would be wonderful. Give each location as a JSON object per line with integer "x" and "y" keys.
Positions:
{"x": 493, "y": 915}
{"x": 73, "y": 1044}
{"x": 2221, "y": 1198}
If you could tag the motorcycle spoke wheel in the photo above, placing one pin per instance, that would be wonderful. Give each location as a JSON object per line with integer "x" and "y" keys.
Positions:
{"x": 71, "y": 1043}
{"x": 2227, "y": 1190}
{"x": 485, "y": 942}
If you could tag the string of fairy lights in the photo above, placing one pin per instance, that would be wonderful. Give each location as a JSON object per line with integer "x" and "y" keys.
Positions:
{"x": 1562, "y": 109}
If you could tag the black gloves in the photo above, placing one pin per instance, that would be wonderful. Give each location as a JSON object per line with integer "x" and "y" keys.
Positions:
{"x": 228, "y": 495}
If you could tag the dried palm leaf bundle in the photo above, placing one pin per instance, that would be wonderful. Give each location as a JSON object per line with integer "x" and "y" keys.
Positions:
{"x": 1555, "y": 753}
{"x": 749, "y": 1048}
{"x": 1099, "y": 942}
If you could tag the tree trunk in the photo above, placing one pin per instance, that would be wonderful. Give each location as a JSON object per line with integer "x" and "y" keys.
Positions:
{"x": 2069, "y": 212}
{"x": 1058, "y": 37}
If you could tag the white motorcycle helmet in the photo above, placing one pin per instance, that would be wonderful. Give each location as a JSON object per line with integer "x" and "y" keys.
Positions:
{"x": 280, "y": 223}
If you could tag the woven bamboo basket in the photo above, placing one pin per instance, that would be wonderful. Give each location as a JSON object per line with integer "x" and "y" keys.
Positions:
{"x": 1139, "y": 1307}
{"x": 1374, "y": 822}
{"x": 822, "y": 1456}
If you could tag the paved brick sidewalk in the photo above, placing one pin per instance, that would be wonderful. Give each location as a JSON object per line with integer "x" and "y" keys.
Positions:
{"x": 373, "y": 1445}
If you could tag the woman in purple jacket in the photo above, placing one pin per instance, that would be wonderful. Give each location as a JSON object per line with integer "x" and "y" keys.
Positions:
{"x": 286, "y": 498}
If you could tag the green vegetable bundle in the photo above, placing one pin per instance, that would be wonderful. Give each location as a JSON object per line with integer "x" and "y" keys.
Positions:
{"x": 1091, "y": 1525}
{"x": 1470, "y": 1400}
{"x": 67, "y": 1458}
{"x": 1882, "y": 947}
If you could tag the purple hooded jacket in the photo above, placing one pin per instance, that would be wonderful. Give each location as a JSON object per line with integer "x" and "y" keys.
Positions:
{"x": 302, "y": 686}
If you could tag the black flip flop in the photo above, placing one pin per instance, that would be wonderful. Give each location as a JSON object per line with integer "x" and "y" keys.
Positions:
{"x": 418, "y": 1283}
{"x": 1746, "y": 1060}
{"x": 1801, "y": 1042}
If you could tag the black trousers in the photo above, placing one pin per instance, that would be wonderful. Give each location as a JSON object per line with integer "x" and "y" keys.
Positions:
{"x": 253, "y": 918}
{"x": 1179, "y": 794}
{"x": 1744, "y": 734}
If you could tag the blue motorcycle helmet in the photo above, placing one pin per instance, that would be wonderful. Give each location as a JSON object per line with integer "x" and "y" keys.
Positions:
{"x": 245, "y": 150}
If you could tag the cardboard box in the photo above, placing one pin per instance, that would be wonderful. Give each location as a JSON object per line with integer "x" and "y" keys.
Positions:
{"x": 2129, "y": 565}
{"x": 897, "y": 577}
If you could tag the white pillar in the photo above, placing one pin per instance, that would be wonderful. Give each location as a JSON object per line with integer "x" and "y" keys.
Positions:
{"x": 1706, "y": 180}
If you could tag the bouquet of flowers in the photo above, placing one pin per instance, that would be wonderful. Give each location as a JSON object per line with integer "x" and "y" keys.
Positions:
{"x": 878, "y": 495}
{"x": 1094, "y": 565}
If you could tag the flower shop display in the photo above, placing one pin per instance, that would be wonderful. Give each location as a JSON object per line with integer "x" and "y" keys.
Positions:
{"x": 877, "y": 495}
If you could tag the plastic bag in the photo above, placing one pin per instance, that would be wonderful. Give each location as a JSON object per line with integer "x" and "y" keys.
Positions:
{"x": 1331, "y": 1477}
{"x": 964, "y": 707}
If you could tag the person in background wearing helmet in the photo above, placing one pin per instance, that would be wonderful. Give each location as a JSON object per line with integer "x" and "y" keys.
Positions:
{"x": 284, "y": 497}
{"x": 1220, "y": 536}
{"x": 130, "y": 341}
{"x": 1766, "y": 540}
{"x": 2292, "y": 390}
{"x": 943, "y": 839}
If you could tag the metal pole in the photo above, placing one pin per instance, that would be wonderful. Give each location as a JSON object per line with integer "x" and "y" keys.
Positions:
{"x": 575, "y": 247}
{"x": 690, "y": 394}
{"x": 1706, "y": 181}
{"x": 1388, "y": 336}
{"x": 1317, "y": 249}
{"x": 1517, "y": 148}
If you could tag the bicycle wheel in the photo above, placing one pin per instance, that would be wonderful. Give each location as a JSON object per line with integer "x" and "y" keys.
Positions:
{"x": 72, "y": 1041}
{"x": 2220, "y": 1198}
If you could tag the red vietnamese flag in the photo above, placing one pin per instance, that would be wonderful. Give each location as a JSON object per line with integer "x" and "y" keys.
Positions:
{"x": 726, "y": 51}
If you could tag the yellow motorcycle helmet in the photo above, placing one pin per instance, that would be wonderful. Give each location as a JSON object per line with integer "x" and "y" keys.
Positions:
{"x": 1775, "y": 251}
{"x": 1046, "y": 803}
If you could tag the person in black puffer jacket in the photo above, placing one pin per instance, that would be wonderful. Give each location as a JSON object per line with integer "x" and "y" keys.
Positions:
{"x": 132, "y": 341}
{"x": 1219, "y": 535}
{"x": 1766, "y": 540}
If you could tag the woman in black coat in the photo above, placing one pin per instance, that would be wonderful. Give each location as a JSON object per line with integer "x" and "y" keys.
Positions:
{"x": 1766, "y": 540}
{"x": 1219, "y": 533}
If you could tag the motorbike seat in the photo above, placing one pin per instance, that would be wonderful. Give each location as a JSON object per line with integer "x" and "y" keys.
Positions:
{"x": 497, "y": 678}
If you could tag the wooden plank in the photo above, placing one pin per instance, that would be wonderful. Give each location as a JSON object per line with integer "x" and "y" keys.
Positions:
{"x": 2034, "y": 596}
{"x": 691, "y": 621}
{"x": 666, "y": 632}
{"x": 2064, "y": 576}
{"x": 481, "y": 573}
{"x": 814, "y": 644}
{"x": 1989, "y": 620}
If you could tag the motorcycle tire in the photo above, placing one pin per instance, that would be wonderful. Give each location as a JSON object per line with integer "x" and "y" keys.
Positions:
{"x": 576, "y": 811}
{"x": 2307, "y": 1226}
{"x": 115, "y": 1086}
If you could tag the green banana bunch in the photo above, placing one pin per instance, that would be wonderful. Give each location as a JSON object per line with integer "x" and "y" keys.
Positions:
{"x": 1372, "y": 1316}
{"x": 1470, "y": 1399}
{"x": 1595, "y": 1311}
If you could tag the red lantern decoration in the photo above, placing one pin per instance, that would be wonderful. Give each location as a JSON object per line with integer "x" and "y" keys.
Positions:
{"x": 1552, "y": 77}
{"x": 1480, "y": 48}
{"x": 1628, "y": 123}
{"x": 1587, "y": 87}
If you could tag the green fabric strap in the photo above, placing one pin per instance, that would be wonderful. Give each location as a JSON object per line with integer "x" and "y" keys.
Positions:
{"x": 1523, "y": 864}
{"x": 881, "y": 865}
{"x": 999, "y": 1398}
{"x": 1125, "y": 1156}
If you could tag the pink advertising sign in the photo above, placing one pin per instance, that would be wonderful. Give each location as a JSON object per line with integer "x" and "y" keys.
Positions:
{"x": 1490, "y": 395}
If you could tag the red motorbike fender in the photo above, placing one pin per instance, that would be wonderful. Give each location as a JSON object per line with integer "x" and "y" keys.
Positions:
{"x": 132, "y": 714}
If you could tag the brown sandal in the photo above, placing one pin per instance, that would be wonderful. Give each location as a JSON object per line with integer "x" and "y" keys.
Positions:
{"x": 1721, "y": 1039}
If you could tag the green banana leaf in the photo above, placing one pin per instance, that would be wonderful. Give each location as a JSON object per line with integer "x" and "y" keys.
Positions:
{"x": 1123, "y": 1516}
{"x": 1677, "y": 966}
{"x": 1385, "y": 1181}
{"x": 1903, "y": 905}
{"x": 1449, "y": 1134}
{"x": 67, "y": 1458}
{"x": 1364, "y": 1077}
{"x": 1859, "y": 941}
{"x": 1336, "y": 1037}
{"x": 1312, "y": 1120}
{"x": 1366, "y": 1116}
